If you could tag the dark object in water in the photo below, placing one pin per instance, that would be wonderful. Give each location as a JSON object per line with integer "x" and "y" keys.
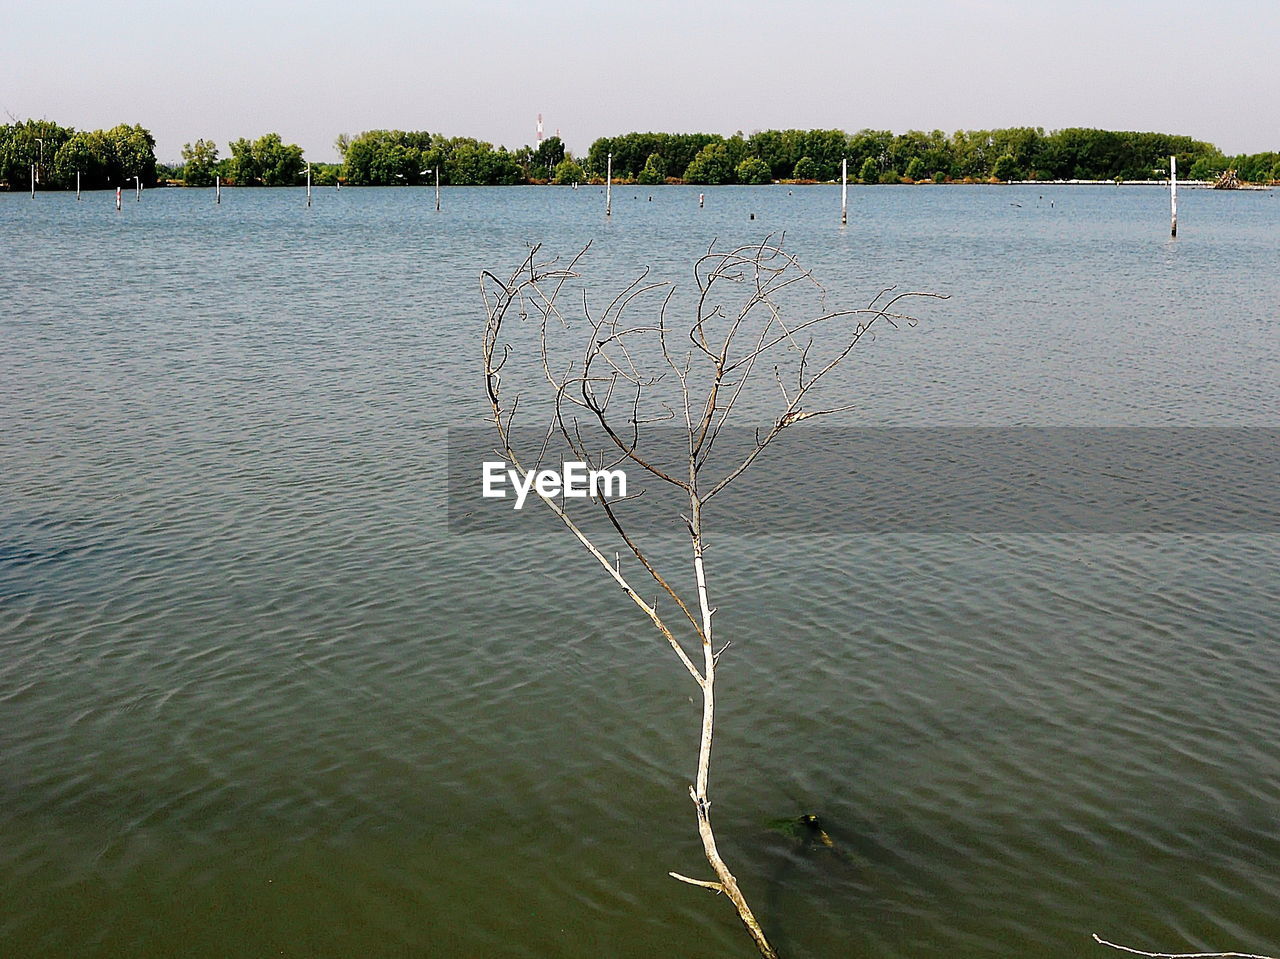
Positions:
{"x": 807, "y": 828}
{"x": 813, "y": 825}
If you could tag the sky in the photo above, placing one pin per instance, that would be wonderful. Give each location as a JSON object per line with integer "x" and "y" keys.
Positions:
{"x": 310, "y": 71}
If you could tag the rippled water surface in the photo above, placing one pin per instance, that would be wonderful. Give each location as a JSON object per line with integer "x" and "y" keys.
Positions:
{"x": 257, "y": 699}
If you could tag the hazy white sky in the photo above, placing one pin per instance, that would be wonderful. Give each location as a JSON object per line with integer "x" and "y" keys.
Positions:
{"x": 310, "y": 71}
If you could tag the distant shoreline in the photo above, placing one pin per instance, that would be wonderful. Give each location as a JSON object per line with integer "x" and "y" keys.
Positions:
{"x": 38, "y": 154}
{"x": 629, "y": 183}
{"x": 1189, "y": 184}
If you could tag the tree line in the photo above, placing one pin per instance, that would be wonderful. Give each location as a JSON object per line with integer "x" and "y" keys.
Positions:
{"x": 108, "y": 158}
{"x": 53, "y": 155}
{"x": 390, "y": 157}
{"x": 881, "y": 156}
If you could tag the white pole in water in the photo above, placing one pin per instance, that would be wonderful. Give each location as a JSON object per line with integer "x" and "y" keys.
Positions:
{"x": 137, "y": 182}
{"x": 35, "y": 169}
{"x": 77, "y": 184}
{"x": 308, "y": 184}
{"x": 844, "y": 191}
{"x": 217, "y": 189}
{"x": 608, "y": 188}
{"x": 118, "y": 189}
{"x": 1173, "y": 196}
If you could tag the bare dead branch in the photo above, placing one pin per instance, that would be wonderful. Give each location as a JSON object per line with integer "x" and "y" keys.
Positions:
{"x": 713, "y": 886}
{"x": 626, "y": 375}
{"x": 1177, "y": 955}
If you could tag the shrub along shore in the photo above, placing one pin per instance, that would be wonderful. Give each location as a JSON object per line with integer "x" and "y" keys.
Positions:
{"x": 53, "y": 156}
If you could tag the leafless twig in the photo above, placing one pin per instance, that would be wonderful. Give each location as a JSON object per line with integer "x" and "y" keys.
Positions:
{"x": 612, "y": 379}
{"x": 1178, "y": 955}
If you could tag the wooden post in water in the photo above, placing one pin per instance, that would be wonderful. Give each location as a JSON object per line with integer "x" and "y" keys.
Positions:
{"x": 844, "y": 191}
{"x": 1173, "y": 196}
{"x": 608, "y": 188}
{"x": 217, "y": 189}
{"x": 437, "y": 189}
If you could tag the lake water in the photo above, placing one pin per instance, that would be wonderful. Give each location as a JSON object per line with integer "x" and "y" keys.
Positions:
{"x": 257, "y": 698}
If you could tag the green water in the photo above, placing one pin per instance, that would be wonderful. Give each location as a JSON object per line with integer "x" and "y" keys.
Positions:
{"x": 257, "y": 699}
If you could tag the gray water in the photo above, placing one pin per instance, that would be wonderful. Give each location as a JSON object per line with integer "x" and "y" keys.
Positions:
{"x": 257, "y": 699}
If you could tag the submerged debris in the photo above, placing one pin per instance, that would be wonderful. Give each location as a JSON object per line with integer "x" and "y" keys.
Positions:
{"x": 807, "y": 829}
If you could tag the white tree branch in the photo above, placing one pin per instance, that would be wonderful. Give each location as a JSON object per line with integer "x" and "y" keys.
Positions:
{"x": 713, "y": 886}
{"x": 1178, "y": 955}
{"x": 604, "y": 398}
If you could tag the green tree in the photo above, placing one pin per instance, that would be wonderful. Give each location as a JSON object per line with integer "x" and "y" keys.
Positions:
{"x": 1026, "y": 145}
{"x": 199, "y": 162}
{"x": 279, "y": 163}
{"x": 242, "y": 169}
{"x": 737, "y": 150}
{"x": 1207, "y": 167}
{"x": 773, "y": 147}
{"x": 805, "y": 169}
{"x": 971, "y": 153}
{"x": 503, "y": 168}
{"x": 391, "y": 157}
{"x": 754, "y": 170}
{"x": 827, "y": 148}
{"x": 135, "y": 152}
{"x": 1005, "y": 168}
{"x": 915, "y": 169}
{"x": 655, "y": 170}
{"x": 81, "y": 154}
{"x": 396, "y": 165}
{"x": 31, "y": 143}
{"x": 632, "y": 150}
{"x": 325, "y": 174}
{"x": 929, "y": 148}
{"x": 711, "y": 166}
{"x": 890, "y": 176}
{"x": 466, "y": 164}
{"x": 878, "y": 145}
{"x": 568, "y": 171}
{"x": 267, "y": 161}
{"x": 546, "y": 157}
{"x": 1254, "y": 167}
{"x": 870, "y": 172}
{"x": 102, "y": 157}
